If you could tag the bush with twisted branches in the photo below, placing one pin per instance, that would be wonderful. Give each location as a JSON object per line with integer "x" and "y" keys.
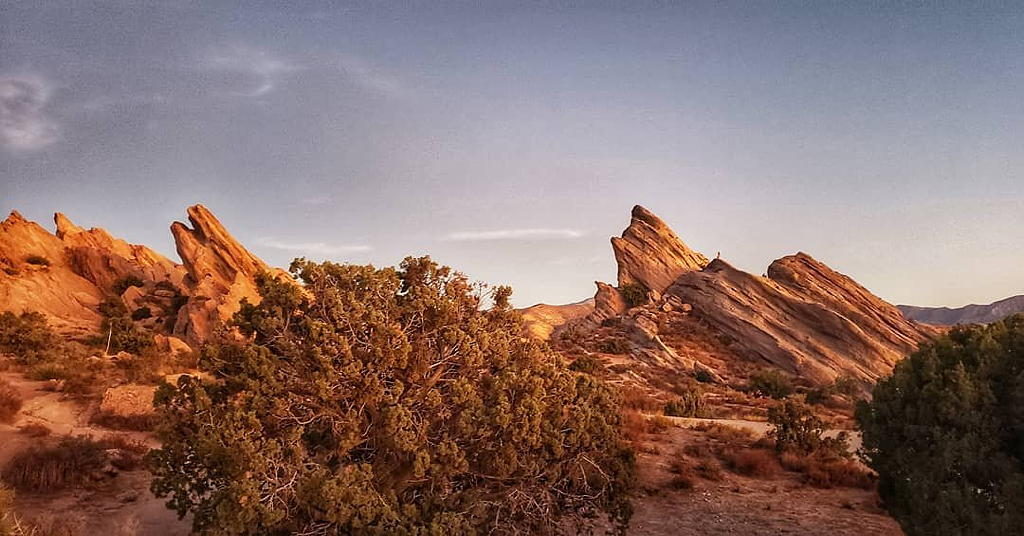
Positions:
{"x": 387, "y": 401}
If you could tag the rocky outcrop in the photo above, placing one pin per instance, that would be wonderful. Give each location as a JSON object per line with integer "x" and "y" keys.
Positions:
{"x": 542, "y": 321}
{"x": 608, "y": 303}
{"x": 99, "y": 257}
{"x": 66, "y": 275}
{"x": 650, "y": 254}
{"x": 804, "y": 318}
{"x": 35, "y": 275}
{"x": 970, "y": 314}
{"x": 220, "y": 274}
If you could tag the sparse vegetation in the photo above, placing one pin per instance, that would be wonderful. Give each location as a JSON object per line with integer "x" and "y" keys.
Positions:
{"x": 797, "y": 429}
{"x": 27, "y": 336}
{"x": 945, "y": 433}
{"x": 689, "y": 404}
{"x": 615, "y": 345}
{"x": 142, "y": 313}
{"x": 122, "y": 284}
{"x": 770, "y": 383}
{"x": 387, "y": 401}
{"x": 37, "y": 260}
{"x": 634, "y": 294}
{"x": 72, "y": 462}
{"x": 753, "y": 462}
{"x": 10, "y": 402}
{"x": 587, "y": 364}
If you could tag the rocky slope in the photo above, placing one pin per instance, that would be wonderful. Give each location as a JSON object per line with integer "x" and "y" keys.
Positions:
{"x": 970, "y": 314}
{"x": 711, "y": 318}
{"x": 543, "y": 320}
{"x": 67, "y": 274}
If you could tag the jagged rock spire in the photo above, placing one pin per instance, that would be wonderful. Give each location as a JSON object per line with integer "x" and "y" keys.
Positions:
{"x": 649, "y": 253}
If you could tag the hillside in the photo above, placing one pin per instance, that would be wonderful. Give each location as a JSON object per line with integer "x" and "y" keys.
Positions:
{"x": 969, "y": 314}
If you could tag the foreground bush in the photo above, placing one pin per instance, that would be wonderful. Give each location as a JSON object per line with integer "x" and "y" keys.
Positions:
{"x": 386, "y": 402}
{"x": 796, "y": 428}
{"x": 946, "y": 434}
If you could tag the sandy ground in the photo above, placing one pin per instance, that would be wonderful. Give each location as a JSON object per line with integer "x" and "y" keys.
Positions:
{"x": 736, "y": 505}
{"x": 123, "y": 506}
{"x": 742, "y": 506}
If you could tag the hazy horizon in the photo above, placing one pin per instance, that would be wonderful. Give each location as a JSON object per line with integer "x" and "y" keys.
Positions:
{"x": 511, "y": 142}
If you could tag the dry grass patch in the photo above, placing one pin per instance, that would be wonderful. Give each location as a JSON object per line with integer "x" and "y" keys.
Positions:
{"x": 72, "y": 462}
{"x": 829, "y": 472}
{"x": 757, "y": 463}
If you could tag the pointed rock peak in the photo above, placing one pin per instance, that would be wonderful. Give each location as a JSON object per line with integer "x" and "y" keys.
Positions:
{"x": 208, "y": 248}
{"x": 15, "y": 217}
{"x": 650, "y": 254}
{"x": 64, "y": 225}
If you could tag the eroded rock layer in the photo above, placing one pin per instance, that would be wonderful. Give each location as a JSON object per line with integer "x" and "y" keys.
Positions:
{"x": 650, "y": 254}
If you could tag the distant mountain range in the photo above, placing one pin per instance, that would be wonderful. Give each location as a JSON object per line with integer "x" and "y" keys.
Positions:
{"x": 970, "y": 314}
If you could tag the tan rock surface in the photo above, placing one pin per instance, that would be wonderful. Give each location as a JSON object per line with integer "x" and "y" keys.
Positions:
{"x": 68, "y": 299}
{"x": 221, "y": 272}
{"x": 804, "y": 318}
{"x": 128, "y": 400}
{"x": 543, "y": 320}
{"x": 650, "y": 253}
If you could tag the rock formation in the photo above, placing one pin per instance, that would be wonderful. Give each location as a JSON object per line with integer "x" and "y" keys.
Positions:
{"x": 35, "y": 274}
{"x": 970, "y": 314}
{"x": 67, "y": 274}
{"x": 803, "y": 318}
{"x": 650, "y": 254}
{"x": 220, "y": 273}
{"x": 542, "y": 320}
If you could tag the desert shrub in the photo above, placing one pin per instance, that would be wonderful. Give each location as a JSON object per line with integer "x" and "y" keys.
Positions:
{"x": 27, "y": 336}
{"x": 638, "y": 398}
{"x": 10, "y": 402}
{"x": 386, "y": 401}
{"x": 137, "y": 423}
{"x": 587, "y": 364}
{"x": 659, "y": 424}
{"x": 945, "y": 433}
{"x": 796, "y": 428}
{"x": 758, "y": 463}
{"x": 124, "y": 335}
{"x": 683, "y": 475}
{"x": 73, "y": 462}
{"x": 37, "y": 260}
{"x": 142, "y": 313}
{"x": 703, "y": 376}
{"x": 145, "y": 367}
{"x": 634, "y": 294}
{"x": 10, "y": 524}
{"x": 615, "y": 345}
{"x": 122, "y": 284}
{"x": 847, "y": 385}
{"x": 770, "y": 383}
{"x": 47, "y": 371}
{"x": 689, "y": 404}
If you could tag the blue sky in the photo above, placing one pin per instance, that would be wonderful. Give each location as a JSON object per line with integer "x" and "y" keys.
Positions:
{"x": 511, "y": 140}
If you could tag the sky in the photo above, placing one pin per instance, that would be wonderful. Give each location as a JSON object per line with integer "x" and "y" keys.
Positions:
{"x": 510, "y": 140}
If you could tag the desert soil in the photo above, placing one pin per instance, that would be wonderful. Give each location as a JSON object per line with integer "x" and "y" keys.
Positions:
{"x": 736, "y": 505}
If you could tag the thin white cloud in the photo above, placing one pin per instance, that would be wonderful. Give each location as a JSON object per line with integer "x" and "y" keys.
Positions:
{"x": 316, "y": 248}
{"x": 265, "y": 68}
{"x": 512, "y": 234}
{"x": 362, "y": 73}
{"x": 23, "y": 124}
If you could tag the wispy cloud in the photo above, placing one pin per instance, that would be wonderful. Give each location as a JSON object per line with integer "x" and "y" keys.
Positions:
{"x": 316, "y": 248}
{"x": 367, "y": 76}
{"x": 264, "y": 68}
{"x": 512, "y": 234}
{"x": 23, "y": 124}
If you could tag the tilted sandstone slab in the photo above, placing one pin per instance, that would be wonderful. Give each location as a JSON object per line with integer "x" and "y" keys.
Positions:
{"x": 220, "y": 274}
{"x": 650, "y": 254}
{"x": 805, "y": 319}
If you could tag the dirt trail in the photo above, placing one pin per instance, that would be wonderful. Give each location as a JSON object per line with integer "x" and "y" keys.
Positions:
{"x": 122, "y": 507}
